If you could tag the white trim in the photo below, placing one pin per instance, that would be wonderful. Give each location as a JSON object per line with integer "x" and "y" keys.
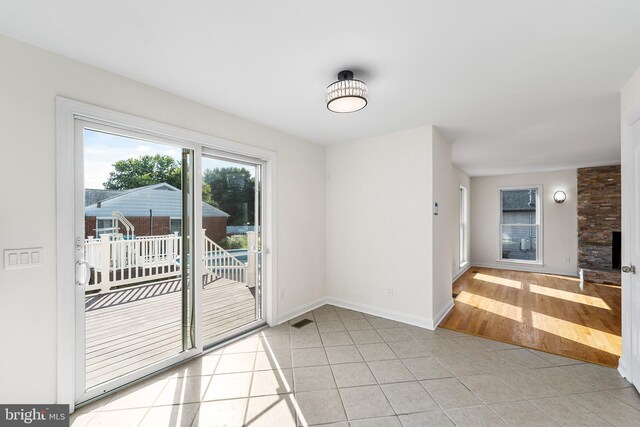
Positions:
{"x": 305, "y": 308}
{"x": 422, "y": 322}
{"x": 464, "y": 220}
{"x": 628, "y": 210}
{"x": 524, "y": 267}
{"x": 66, "y": 339}
{"x": 67, "y": 111}
{"x": 520, "y": 261}
{"x": 464, "y": 269}
{"x": 442, "y": 313}
{"x": 622, "y": 370}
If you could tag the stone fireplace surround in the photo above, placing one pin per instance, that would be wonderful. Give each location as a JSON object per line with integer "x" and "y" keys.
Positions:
{"x": 599, "y": 216}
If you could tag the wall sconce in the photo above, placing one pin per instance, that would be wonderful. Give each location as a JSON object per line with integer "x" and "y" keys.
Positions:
{"x": 559, "y": 196}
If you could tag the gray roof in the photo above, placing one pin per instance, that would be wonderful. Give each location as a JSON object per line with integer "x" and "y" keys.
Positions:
{"x": 518, "y": 200}
{"x": 95, "y": 195}
{"x": 163, "y": 199}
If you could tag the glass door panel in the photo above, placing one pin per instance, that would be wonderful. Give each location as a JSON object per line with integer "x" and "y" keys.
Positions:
{"x": 135, "y": 245}
{"x": 231, "y": 212}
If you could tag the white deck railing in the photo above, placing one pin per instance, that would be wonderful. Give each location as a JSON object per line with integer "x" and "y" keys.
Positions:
{"x": 221, "y": 263}
{"x": 116, "y": 262}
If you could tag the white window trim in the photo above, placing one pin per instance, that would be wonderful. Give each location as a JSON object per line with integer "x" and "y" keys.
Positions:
{"x": 102, "y": 218}
{"x": 540, "y": 222}
{"x": 464, "y": 222}
{"x": 174, "y": 218}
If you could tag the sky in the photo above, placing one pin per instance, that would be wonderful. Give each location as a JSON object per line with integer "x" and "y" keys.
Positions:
{"x": 102, "y": 150}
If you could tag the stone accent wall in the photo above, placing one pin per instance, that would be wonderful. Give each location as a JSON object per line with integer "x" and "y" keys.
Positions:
{"x": 599, "y": 215}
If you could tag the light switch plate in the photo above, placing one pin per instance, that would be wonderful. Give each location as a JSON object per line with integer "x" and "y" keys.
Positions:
{"x": 22, "y": 258}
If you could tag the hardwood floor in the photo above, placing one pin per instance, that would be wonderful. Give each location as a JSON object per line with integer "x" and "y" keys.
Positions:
{"x": 124, "y": 336}
{"x": 540, "y": 311}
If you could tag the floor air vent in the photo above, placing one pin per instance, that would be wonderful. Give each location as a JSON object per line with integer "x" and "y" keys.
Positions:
{"x": 303, "y": 322}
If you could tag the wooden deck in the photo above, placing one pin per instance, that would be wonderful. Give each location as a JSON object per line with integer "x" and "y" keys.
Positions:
{"x": 540, "y": 311}
{"x": 133, "y": 328}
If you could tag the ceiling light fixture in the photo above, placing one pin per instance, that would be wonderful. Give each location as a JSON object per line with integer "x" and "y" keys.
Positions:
{"x": 346, "y": 95}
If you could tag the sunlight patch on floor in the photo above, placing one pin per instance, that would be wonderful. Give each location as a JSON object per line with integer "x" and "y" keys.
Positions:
{"x": 578, "y": 333}
{"x": 556, "y": 276}
{"x": 496, "y": 307}
{"x": 498, "y": 280}
{"x": 570, "y": 296}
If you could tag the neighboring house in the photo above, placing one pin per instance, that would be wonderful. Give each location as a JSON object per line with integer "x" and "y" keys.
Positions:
{"x": 153, "y": 210}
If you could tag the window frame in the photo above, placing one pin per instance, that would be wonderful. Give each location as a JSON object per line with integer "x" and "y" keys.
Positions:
{"x": 463, "y": 237}
{"x": 539, "y": 224}
{"x": 114, "y": 225}
{"x": 174, "y": 218}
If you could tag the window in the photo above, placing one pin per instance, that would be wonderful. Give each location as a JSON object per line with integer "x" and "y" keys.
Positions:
{"x": 175, "y": 226}
{"x": 105, "y": 226}
{"x": 464, "y": 215}
{"x": 520, "y": 225}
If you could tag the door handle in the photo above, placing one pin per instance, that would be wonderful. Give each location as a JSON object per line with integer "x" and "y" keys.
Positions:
{"x": 87, "y": 277}
{"x": 629, "y": 269}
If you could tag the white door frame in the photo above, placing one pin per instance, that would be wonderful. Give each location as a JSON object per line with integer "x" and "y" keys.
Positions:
{"x": 67, "y": 111}
{"x": 629, "y": 202}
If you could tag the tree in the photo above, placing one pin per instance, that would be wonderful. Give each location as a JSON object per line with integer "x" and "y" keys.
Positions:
{"x": 233, "y": 189}
{"x": 149, "y": 170}
{"x": 145, "y": 170}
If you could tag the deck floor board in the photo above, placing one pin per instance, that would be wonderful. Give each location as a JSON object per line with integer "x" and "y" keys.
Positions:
{"x": 131, "y": 335}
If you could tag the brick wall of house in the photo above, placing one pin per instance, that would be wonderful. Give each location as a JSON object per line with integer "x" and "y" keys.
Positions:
{"x": 599, "y": 215}
{"x": 216, "y": 226}
{"x": 89, "y": 226}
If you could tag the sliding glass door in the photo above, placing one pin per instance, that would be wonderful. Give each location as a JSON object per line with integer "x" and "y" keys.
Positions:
{"x": 134, "y": 256}
{"x": 232, "y": 297}
{"x": 168, "y": 252}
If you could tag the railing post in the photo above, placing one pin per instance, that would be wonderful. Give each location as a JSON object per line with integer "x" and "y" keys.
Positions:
{"x": 105, "y": 262}
{"x": 252, "y": 248}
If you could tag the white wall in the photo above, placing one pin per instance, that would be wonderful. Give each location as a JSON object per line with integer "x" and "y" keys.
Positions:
{"x": 459, "y": 179}
{"x": 30, "y": 79}
{"x": 378, "y": 210}
{"x": 442, "y": 224}
{"x": 560, "y": 221}
{"x": 629, "y": 104}
{"x": 380, "y": 224}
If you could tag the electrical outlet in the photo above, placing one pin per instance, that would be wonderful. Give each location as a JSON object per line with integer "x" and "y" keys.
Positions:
{"x": 567, "y": 260}
{"x": 389, "y": 292}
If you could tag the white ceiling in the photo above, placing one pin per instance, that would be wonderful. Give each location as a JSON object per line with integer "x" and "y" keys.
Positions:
{"x": 516, "y": 85}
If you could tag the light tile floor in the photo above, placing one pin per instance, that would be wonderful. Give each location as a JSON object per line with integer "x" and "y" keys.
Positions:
{"x": 352, "y": 369}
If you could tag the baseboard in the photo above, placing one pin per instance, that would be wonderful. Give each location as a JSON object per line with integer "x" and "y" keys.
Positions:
{"x": 441, "y": 314}
{"x": 422, "y": 322}
{"x": 288, "y": 315}
{"x": 524, "y": 267}
{"x": 622, "y": 370}
{"x": 461, "y": 272}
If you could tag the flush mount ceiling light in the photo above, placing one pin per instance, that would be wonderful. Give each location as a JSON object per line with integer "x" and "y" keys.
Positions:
{"x": 346, "y": 95}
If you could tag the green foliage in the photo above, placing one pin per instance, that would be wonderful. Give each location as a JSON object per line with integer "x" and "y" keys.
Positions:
{"x": 149, "y": 170}
{"x": 233, "y": 189}
{"x": 145, "y": 170}
{"x": 238, "y": 241}
{"x": 229, "y": 189}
